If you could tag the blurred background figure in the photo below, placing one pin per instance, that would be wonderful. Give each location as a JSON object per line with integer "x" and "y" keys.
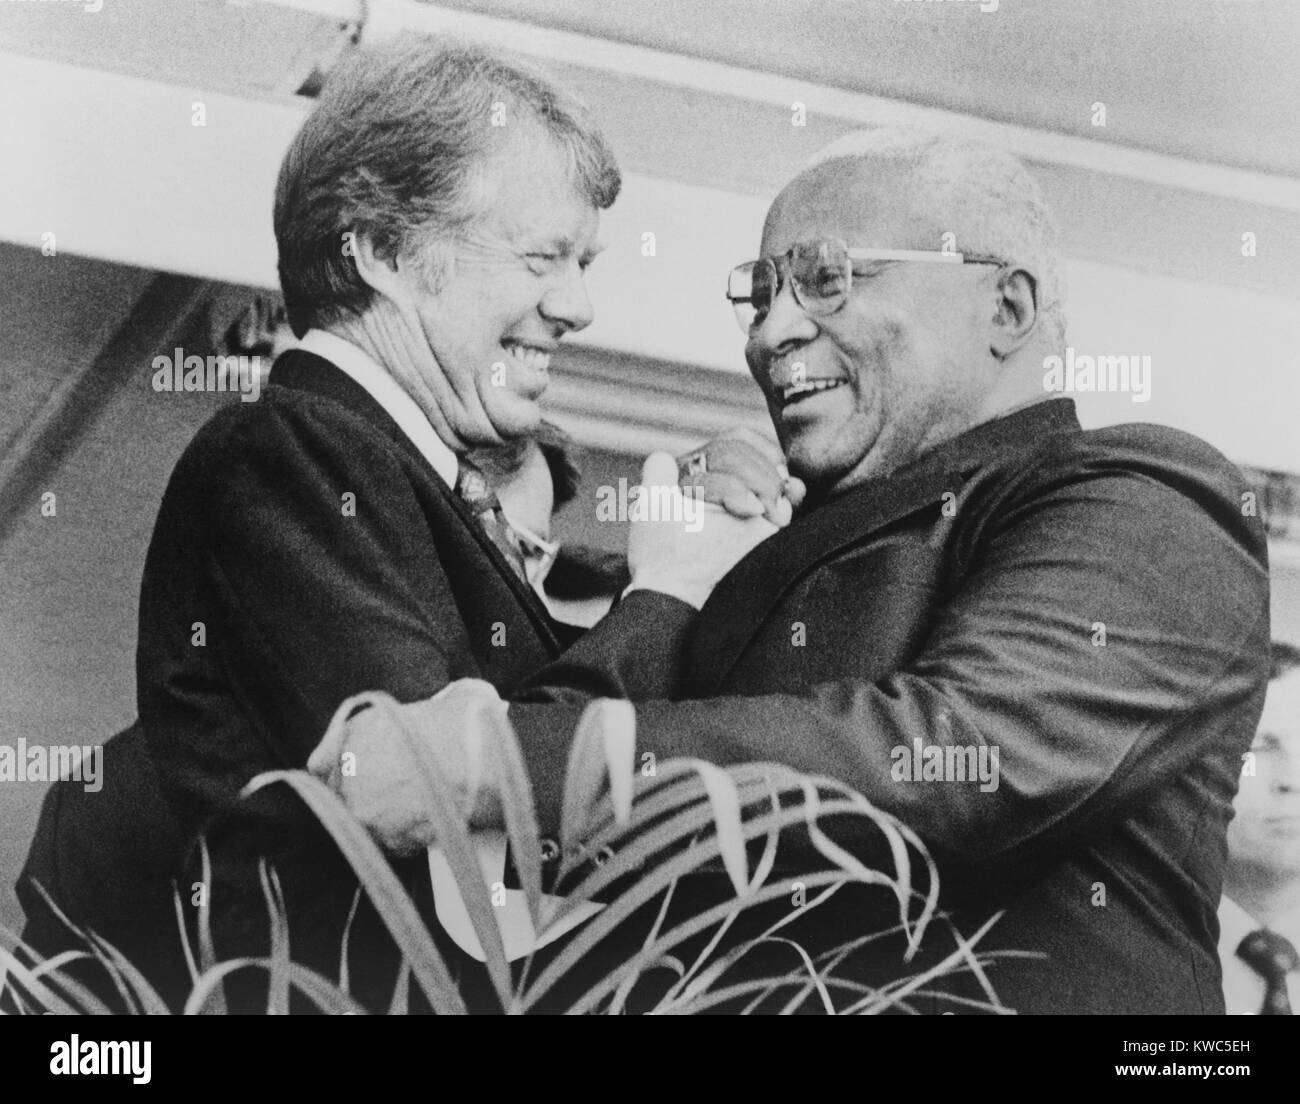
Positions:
{"x": 533, "y": 480}
{"x": 1259, "y": 916}
{"x": 260, "y": 329}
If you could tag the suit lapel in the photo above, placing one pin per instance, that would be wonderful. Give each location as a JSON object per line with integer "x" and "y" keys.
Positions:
{"x": 747, "y": 596}
{"x": 304, "y": 371}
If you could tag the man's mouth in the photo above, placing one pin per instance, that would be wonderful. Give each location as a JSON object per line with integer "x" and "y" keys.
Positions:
{"x": 535, "y": 358}
{"x": 797, "y": 392}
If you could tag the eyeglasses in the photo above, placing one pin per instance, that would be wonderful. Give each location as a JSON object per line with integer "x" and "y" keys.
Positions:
{"x": 539, "y": 554}
{"x": 821, "y": 276}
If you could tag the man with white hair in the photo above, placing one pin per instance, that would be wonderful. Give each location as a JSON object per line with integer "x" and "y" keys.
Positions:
{"x": 1043, "y": 649}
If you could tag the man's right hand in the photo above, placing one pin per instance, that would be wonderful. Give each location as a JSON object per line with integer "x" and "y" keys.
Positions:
{"x": 745, "y": 473}
{"x": 680, "y": 544}
{"x": 365, "y": 758}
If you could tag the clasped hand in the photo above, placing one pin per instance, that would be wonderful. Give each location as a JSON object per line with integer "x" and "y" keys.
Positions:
{"x": 704, "y": 512}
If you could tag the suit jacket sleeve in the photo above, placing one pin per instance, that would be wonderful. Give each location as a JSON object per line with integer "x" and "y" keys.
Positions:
{"x": 303, "y": 551}
{"x": 296, "y": 538}
{"x": 1016, "y": 661}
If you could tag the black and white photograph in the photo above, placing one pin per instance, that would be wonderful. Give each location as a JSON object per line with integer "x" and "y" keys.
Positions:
{"x": 651, "y": 507}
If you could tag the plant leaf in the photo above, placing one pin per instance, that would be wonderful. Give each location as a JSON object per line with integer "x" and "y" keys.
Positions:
{"x": 520, "y": 813}
{"x": 143, "y": 993}
{"x": 207, "y": 953}
{"x": 130, "y": 1000}
{"x": 277, "y": 993}
{"x": 343, "y": 943}
{"x": 326, "y": 995}
{"x": 870, "y": 1007}
{"x": 33, "y": 985}
{"x": 604, "y": 747}
{"x": 401, "y": 991}
{"x": 725, "y": 802}
{"x": 452, "y": 834}
{"x": 372, "y": 869}
{"x": 52, "y": 969}
{"x": 188, "y": 951}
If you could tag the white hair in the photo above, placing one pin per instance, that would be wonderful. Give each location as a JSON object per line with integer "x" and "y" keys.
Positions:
{"x": 984, "y": 196}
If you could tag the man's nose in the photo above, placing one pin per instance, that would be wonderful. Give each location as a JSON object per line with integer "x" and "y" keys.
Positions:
{"x": 1286, "y": 767}
{"x": 1288, "y": 778}
{"x": 784, "y": 328}
{"x": 566, "y": 302}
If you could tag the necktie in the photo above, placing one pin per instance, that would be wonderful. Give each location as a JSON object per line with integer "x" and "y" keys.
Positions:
{"x": 1272, "y": 957}
{"x": 472, "y": 486}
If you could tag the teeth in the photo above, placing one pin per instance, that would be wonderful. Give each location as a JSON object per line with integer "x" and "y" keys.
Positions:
{"x": 808, "y": 387}
{"x": 535, "y": 360}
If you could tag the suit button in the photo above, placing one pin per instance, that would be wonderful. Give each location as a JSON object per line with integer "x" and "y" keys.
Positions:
{"x": 550, "y": 851}
{"x": 604, "y": 855}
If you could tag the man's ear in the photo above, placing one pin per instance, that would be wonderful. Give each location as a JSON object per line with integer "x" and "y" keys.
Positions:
{"x": 383, "y": 274}
{"x": 1016, "y": 314}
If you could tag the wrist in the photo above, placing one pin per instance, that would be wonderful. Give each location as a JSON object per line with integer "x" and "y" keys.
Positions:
{"x": 693, "y": 594}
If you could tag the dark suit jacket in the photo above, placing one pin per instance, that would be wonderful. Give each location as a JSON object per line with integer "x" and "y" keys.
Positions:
{"x": 107, "y": 859}
{"x": 268, "y": 597}
{"x": 981, "y": 624}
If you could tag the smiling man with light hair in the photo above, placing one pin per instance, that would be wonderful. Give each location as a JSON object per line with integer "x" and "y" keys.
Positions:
{"x": 435, "y": 216}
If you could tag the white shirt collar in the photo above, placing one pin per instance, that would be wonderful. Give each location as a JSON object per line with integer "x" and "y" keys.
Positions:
{"x": 388, "y": 393}
{"x": 1243, "y": 988}
{"x": 1235, "y": 923}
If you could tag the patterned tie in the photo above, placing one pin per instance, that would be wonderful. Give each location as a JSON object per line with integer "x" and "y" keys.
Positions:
{"x": 472, "y": 486}
{"x": 1272, "y": 957}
